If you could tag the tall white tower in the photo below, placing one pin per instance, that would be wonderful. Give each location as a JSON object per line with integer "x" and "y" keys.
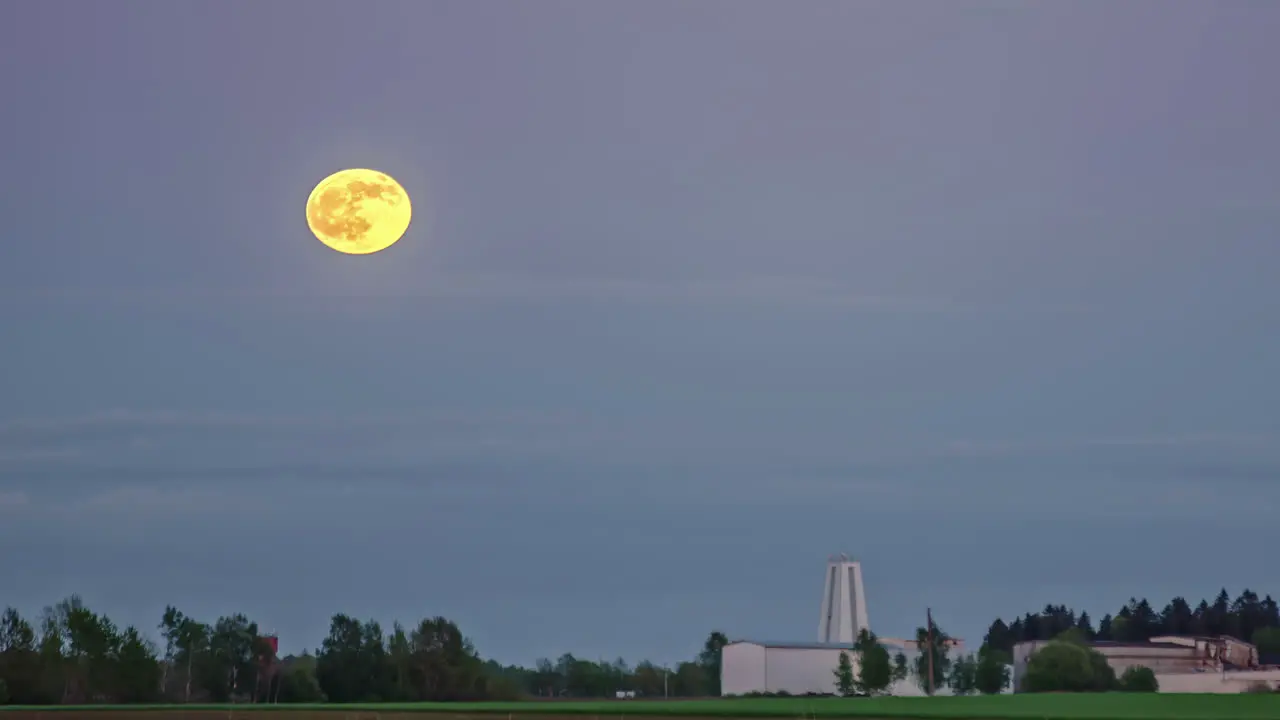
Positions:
{"x": 844, "y": 602}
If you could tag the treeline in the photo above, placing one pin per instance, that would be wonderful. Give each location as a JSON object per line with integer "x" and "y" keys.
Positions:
{"x": 72, "y": 655}
{"x": 1246, "y": 618}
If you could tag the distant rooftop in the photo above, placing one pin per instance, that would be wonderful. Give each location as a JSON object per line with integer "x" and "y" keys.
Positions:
{"x": 1159, "y": 641}
{"x": 1119, "y": 644}
{"x": 784, "y": 645}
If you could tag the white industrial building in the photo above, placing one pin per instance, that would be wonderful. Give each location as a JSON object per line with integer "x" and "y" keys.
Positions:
{"x": 799, "y": 668}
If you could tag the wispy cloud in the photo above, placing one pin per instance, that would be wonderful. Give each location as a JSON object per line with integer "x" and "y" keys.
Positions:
{"x": 13, "y": 499}
{"x": 783, "y": 291}
{"x": 991, "y": 448}
{"x": 160, "y": 419}
{"x": 127, "y": 436}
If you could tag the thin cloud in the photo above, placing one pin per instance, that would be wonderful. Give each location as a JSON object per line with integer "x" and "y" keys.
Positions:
{"x": 783, "y": 291}
{"x": 160, "y": 419}
{"x": 130, "y": 435}
{"x": 996, "y": 448}
{"x": 13, "y": 499}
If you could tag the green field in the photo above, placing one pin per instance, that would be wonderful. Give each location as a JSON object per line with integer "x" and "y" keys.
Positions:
{"x": 1110, "y": 706}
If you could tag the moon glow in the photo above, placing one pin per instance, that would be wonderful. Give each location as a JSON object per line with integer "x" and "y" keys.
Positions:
{"x": 358, "y": 211}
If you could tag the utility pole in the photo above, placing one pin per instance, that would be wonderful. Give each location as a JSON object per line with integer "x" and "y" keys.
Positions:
{"x": 928, "y": 613}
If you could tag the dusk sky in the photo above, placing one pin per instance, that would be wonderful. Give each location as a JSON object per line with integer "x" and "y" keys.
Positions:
{"x": 697, "y": 292}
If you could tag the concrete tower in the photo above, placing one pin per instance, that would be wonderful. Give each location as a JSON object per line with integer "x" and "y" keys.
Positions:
{"x": 844, "y": 602}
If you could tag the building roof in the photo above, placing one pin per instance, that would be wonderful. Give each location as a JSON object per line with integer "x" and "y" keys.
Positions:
{"x": 784, "y": 645}
{"x": 1203, "y": 638}
{"x": 1116, "y": 644}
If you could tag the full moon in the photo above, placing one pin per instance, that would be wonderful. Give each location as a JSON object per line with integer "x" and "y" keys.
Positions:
{"x": 358, "y": 211}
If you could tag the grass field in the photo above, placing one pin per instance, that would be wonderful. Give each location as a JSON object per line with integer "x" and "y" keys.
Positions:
{"x": 1111, "y": 706}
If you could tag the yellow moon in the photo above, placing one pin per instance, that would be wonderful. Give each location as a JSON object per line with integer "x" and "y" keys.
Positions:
{"x": 358, "y": 211}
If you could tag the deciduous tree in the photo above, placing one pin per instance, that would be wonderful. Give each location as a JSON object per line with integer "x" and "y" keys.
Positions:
{"x": 875, "y": 670}
{"x": 901, "y": 668}
{"x": 709, "y": 659}
{"x": 932, "y": 644}
{"x": 1138, "y": 678}
{"x": 963, "y": 678}
{"x": 846, "y": 683}
{"x": 1065, "y": 666}
{"x": 991, "y": 676}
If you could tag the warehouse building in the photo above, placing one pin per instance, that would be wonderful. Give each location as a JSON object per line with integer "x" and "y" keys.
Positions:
{"x": 799, "y": 668}
{"x": 1182, "y": 664}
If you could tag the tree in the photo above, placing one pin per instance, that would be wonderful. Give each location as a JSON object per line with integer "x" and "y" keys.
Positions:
{"x": 1267, "y": 639}
{"x": 345, "y": 668}
{"x": 78, "y": 627}
{"x": 690, "y": 680}
{"x": 1176, "y": 617}
{"x": 1138, "y": 678}
{"x": 1145, "y": 621}
{"x": 963, "y": 679}
{"x": 169, "y": 628}
{"x": 991, "y": 676}
{"x": 932, "y": 645}
{"x": 875, "y": 671}
{"x": 1200, "y": 619}
{"x": 401, "y": 656}
{"x": 193, "y": 644}
{"x": 298, "y": 680}
{"x": 446, "y": 666}
{"x": 233, "y": 655}
{"x": 846, "y": 685}
{"x": 1059, "y": 666}
{"x": 1104, "y": 628}
{"x": 137, "y": 671}
{"x": 648, "y": 678}
{"x": 1137, "y": 622}
{"x": 1122, "y": 629}
{"x": 709, "y": 659}
{"x": 1085, "y": 625}
{"x": 20, "y": 665}
{"x": 51, "y": 663}
{"x": 1064, "y": 666}
{"x": 1072, "y": 635}
{"x": 900, "y": 668}
{"x": 999, "y": 637}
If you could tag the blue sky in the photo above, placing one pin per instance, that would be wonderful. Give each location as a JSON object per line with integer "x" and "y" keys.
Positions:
{"x": 695, "y": 294}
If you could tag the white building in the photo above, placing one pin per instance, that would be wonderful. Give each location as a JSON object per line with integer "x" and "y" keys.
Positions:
{"x": 1181, "y": 664}
{"x": 799, "y": 668}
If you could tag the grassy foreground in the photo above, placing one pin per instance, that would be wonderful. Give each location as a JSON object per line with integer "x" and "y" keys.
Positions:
{"x": 1110, "y": 706}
